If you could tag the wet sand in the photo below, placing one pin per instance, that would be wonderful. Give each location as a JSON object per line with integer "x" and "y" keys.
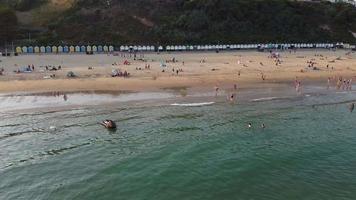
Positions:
{"x": 219, "y": 69}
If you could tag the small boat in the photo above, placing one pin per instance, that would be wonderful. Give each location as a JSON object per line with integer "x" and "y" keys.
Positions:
{"x": 109, "y": 124}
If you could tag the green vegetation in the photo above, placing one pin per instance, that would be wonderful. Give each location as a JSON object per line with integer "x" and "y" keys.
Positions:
{"x": 193, "y": 21}
{"x": 8, "y": 25}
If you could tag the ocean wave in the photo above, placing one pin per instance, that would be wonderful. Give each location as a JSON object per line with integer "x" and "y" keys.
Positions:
{"x": 193, "y": 104}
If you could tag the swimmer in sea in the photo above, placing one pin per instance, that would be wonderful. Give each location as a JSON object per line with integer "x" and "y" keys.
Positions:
{"x": 249, "y": 125}
{"x": 263, "y": 126}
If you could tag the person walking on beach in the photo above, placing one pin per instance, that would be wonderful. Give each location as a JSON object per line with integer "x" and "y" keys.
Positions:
{"x": 216, "y": 88}
{"x": 328, "y": 86}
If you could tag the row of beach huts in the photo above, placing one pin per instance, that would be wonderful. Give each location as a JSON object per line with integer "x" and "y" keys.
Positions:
{"x": 110, "y": 48}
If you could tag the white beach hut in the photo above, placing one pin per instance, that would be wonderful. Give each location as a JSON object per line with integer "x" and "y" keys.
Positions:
{"x": 89, "y": 49}
{"x": 106, "y": 48}
{"x": 60, "y": 49}
{"x": 94, "y": 48}
{"x": 111, "y": 48}
{"x": 36, "y": 49}
{"x": 77, "y": 49}
{"x": 43, "y": 49}
{"x": 24, "y": 49}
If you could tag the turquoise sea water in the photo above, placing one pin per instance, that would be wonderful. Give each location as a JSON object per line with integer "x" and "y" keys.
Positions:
{"x": 160, "y": 151}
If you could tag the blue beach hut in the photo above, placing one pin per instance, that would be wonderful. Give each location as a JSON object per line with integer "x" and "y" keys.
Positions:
{"x": 83, "y": 49}
{"x": 48, "y": 49}
{"x": 100, "y": 48}
{"x": 30, "y": 49}
{"x": 66, "y": 49}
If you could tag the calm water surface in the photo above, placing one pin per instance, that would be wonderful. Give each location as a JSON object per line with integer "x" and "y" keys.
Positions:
{"x": 160, "y": 151}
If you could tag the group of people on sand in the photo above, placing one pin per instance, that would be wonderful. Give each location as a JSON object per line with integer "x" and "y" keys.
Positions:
{"x": 177, "y": 71}
{"x": 147, "y": 67}
{"x": 119, "y": 73}
{"x": 342, "y": 83}
{"x": 52, "y": 68}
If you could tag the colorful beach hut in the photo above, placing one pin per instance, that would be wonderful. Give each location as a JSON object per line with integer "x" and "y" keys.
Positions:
{"x": 30, "y": 49}
{"x": 77, "y": 49}
{"x": 48, "y": 49}
{"x": 18, "y": 50}
{"x": 43, "y": 49}
{"x": 66, "y": 49}
{"x": 89, "y": 49}
{"x": 24, "y": 49}
{"x": 37, "y": 49}
{"x": 94, "y": 48}
{"x": 100, "y": 48}
{"x": 106, "y": 48}
{"x": 83, "y": 49}
{"x": 54, "y": 49}
{"x": 60, "y": 49}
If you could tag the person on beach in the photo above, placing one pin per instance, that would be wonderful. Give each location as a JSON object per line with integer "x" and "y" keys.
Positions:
{"x": 235, "y": 87}
{"x": 328, "y": 86}
{"x": 216, "y": 88}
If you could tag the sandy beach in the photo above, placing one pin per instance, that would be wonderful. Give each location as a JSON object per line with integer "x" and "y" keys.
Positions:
{"x": 196, "y": 69}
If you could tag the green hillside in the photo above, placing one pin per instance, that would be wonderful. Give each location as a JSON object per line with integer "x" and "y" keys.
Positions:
{"x": 175, "y": 21}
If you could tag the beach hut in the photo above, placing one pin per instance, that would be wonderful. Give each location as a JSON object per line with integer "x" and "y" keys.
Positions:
{"x": 36, "y": 49}
{"x": 168, "y": 48}
{"x": 106, "y": 48}
{"x": 30, "y": 49}
{"x": 54, "y": 49}
{"x": 122, "y": 48}
{"x": 160, "y": 48}
{"x": 48, "y": 49}
{"x": 94, "y": 48}
{"x": 77, "y": 49}
{"x": 144, "y": 48}
{"x": 100, "y": 48}
{"x": 60, "y": 49}
{"x": 89, "y": 49}
{"x": 18, "y": 50}
{"x": 83, "y": 49}
{"x": 43, "y": 49}
{"x": 66, "y": 49}
{"x": 111, "y": 48}
{"x": 24, "y": 49}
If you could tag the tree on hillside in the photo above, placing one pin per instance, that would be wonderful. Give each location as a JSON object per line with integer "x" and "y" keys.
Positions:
{"x": 8, "y": 24}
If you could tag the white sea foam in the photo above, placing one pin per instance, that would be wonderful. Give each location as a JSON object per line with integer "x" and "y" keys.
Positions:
{"x": 193, "y": 104}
